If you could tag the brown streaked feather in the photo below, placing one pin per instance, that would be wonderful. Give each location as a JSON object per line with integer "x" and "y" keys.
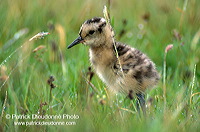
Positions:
{"x": 137, "y": 66}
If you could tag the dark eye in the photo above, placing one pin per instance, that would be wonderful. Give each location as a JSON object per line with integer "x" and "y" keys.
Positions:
{"x": 91, "y": 32}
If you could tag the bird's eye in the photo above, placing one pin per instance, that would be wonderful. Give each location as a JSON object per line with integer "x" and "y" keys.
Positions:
{"x": 91, "y": 32}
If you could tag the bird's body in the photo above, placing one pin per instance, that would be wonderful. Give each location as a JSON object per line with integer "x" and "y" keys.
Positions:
{"x": 137, "y": 71}
{"x": 132, "y": 71}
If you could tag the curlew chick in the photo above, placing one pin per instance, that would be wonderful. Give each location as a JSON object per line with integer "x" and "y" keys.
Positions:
{"x": 121, "y": 67}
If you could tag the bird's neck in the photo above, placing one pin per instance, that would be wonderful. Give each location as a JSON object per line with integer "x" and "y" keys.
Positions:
{"x": 103, "y": 55}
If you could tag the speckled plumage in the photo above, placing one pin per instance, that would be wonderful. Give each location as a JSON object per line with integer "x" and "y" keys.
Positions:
{"x": 136, "y": 73}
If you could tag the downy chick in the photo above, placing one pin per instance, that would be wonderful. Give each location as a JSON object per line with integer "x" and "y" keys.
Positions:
{"x": 131, "y": 73}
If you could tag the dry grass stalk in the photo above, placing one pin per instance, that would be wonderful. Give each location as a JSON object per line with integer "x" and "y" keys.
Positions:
{"x": 39, "y": 35}
{"x": 107, "y": 17}
{"x": 39, "y": 48}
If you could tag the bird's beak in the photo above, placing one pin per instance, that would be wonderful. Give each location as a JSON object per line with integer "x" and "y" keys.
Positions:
{"x": 75, "y": 42}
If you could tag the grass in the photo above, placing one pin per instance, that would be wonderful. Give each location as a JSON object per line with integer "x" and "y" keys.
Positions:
{"x": 150, "y": 26}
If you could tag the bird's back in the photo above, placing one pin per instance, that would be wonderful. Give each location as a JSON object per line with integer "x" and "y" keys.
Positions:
{"x": 139, "y": 72}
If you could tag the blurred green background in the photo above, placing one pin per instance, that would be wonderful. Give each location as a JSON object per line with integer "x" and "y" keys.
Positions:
{"x": 26, "y": 66}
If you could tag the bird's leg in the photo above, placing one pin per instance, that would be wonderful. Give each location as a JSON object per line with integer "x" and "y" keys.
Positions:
{"x": 141, "y": 103}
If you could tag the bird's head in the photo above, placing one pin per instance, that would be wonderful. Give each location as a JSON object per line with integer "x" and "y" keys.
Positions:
{"x": 93, "y": 32}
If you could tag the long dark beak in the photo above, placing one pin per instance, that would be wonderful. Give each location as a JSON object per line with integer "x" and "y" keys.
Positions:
{"x": 75, "y": 42}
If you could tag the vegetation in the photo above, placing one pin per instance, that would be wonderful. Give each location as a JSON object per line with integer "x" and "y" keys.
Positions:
{"x": 42, "y": 77}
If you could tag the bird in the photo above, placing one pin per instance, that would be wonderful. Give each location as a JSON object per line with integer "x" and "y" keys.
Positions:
{"x": 121, "y": 67}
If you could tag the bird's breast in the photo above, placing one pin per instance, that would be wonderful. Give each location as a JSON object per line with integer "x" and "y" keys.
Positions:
{"x": 103, "y": 62}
